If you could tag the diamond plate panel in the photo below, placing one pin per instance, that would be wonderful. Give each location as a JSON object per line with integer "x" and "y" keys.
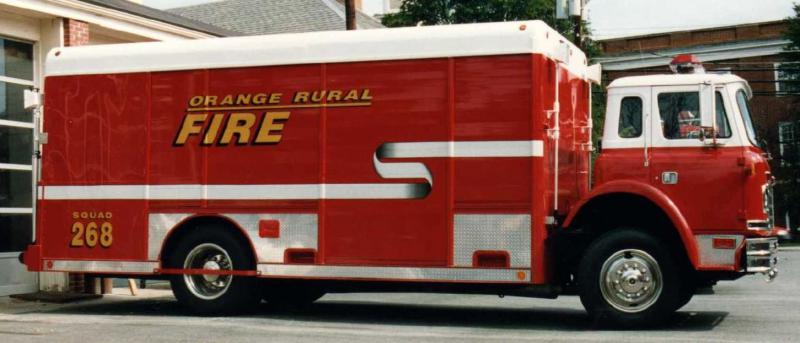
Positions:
{"x": 717, "y": 257}
{"x": 507, "y": 232}
{"x": 160, "y": 224}
{"x": 297, "y": 231}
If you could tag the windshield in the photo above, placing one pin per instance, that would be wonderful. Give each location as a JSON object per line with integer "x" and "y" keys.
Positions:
{"x": 741, "y": 99}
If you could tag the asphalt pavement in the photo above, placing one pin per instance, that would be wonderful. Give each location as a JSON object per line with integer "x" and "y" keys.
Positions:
{"x": 746, "y": 310}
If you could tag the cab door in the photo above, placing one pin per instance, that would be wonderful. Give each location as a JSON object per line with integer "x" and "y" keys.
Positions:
{"x": 698, "y": 173}
{"x": 626, "y": 135}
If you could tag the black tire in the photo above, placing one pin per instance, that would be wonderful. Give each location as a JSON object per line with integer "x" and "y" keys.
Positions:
{"x": 687, "y": 292}
{"x": 290, "y": 295}
{"x": 203, "y": 296}
{"x": 641, "y": 286}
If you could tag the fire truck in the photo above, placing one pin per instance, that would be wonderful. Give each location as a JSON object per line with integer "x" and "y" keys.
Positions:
{"x": 448, "y": 159}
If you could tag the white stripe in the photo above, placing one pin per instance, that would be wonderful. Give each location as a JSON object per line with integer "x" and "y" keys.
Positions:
{"x": 10, "y": 166}
{"x": 413, "y": 170}
{"x": 529, "y": 148}
{"x": 315, "y": 191}
{"x": 395, "y": 273}
{"x": 233, "y": 192}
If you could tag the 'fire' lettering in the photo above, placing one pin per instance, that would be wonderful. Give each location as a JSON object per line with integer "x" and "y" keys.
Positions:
{"x": 269, "y": 132}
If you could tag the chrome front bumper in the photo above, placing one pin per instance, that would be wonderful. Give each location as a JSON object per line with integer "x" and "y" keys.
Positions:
{"x": 762, "y": 256}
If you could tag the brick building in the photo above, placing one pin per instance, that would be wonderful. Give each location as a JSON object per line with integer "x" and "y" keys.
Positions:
{"x": 753, "y": 51}
{"x": 28, "y": 30}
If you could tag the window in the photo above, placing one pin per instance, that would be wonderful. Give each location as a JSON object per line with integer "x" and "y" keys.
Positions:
{"x": 630, "y": 117}
{"x": 788, "y": 143}
{"x": 680, "y": 114}
{"x": 741, "y": 100}
{"x": 723, "y": 128}
{"x": 16, "y": 146}
{"x": 787, "y": 78}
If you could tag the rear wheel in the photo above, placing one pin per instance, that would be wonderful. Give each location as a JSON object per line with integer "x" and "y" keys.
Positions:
{"x": 627, "y": 278}
{"x": 213, "y": 248}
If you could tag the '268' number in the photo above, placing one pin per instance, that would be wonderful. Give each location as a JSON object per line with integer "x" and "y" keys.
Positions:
{"x": 89, "y": 235}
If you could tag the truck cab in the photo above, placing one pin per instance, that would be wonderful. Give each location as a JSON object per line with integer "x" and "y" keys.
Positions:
{"x": 691, "y": 138}
{"x": 681, "y": 196}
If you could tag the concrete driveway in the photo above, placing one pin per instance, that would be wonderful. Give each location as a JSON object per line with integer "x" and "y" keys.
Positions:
{"x": 745, "y": 310}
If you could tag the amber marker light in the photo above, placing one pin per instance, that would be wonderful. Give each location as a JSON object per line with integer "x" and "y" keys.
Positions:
{"x": 724, "y": 243}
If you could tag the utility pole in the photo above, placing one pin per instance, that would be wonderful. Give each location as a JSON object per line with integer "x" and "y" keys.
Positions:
{"x": 350, "y": 14}
{"x": 578, "y": 30}
{"x": 573, "y": 10}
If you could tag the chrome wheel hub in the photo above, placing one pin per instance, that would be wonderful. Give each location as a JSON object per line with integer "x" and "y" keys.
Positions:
{"x": 631, "y": 280}
{"x": 209, "y": 257}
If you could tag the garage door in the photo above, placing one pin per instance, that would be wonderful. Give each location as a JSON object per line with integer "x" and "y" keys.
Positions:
{"x": 16, "y": 167}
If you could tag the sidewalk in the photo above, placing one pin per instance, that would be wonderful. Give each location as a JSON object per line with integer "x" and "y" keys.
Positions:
{"x": 11, "y": 306}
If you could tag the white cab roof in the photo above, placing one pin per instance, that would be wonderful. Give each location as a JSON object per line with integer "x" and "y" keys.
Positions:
{"x": 674, "y": 80}
{"x": 322, "y": 47}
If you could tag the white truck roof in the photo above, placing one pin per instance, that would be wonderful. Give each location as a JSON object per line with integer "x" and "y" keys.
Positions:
{"x": 673, "y": 80}
{"x": 321, "y": 47}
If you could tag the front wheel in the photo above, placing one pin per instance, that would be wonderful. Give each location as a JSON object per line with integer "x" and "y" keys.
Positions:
{"x": 212, "y": 248}
{"x": 627, "y": 278}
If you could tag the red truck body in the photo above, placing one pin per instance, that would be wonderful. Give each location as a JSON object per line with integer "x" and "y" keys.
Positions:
{"x": 454, "y": 155}
{"x": 478, "y": 125}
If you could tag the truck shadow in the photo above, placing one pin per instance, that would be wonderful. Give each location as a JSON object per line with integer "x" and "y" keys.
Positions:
{"x": 537, "y": 318}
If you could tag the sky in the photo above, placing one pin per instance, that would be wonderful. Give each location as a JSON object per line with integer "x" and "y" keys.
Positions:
{"x": 616, "y": 18}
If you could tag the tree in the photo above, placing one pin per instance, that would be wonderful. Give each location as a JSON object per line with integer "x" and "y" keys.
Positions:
{"x": 786, "y": 166}
{"x": 439, "y": 12}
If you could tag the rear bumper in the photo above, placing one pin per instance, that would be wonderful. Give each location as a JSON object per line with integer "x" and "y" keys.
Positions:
{"x": 762, "y": 256}
{"x": 32, "y": 258}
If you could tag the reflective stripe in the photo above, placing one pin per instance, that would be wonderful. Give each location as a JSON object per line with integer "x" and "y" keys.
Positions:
{"x": 412, "y": 170}
{"x": 102, "y": 266}
{"x": 396, "y": 273}
{"x": 239, "y": 192}
{"x": 530, "y": 148}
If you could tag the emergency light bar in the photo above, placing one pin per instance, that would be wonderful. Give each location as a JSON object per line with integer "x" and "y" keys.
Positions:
{"x": 686, "y": 64}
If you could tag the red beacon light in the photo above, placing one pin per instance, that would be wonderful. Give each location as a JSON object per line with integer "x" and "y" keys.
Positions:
{"x": 686, "y": 64}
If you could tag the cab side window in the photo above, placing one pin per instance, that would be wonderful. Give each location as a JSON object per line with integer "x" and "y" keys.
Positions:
{"x": 680, "y": 114}
{"x": 630, "y": 117}
{"x": 723, "y": 127}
